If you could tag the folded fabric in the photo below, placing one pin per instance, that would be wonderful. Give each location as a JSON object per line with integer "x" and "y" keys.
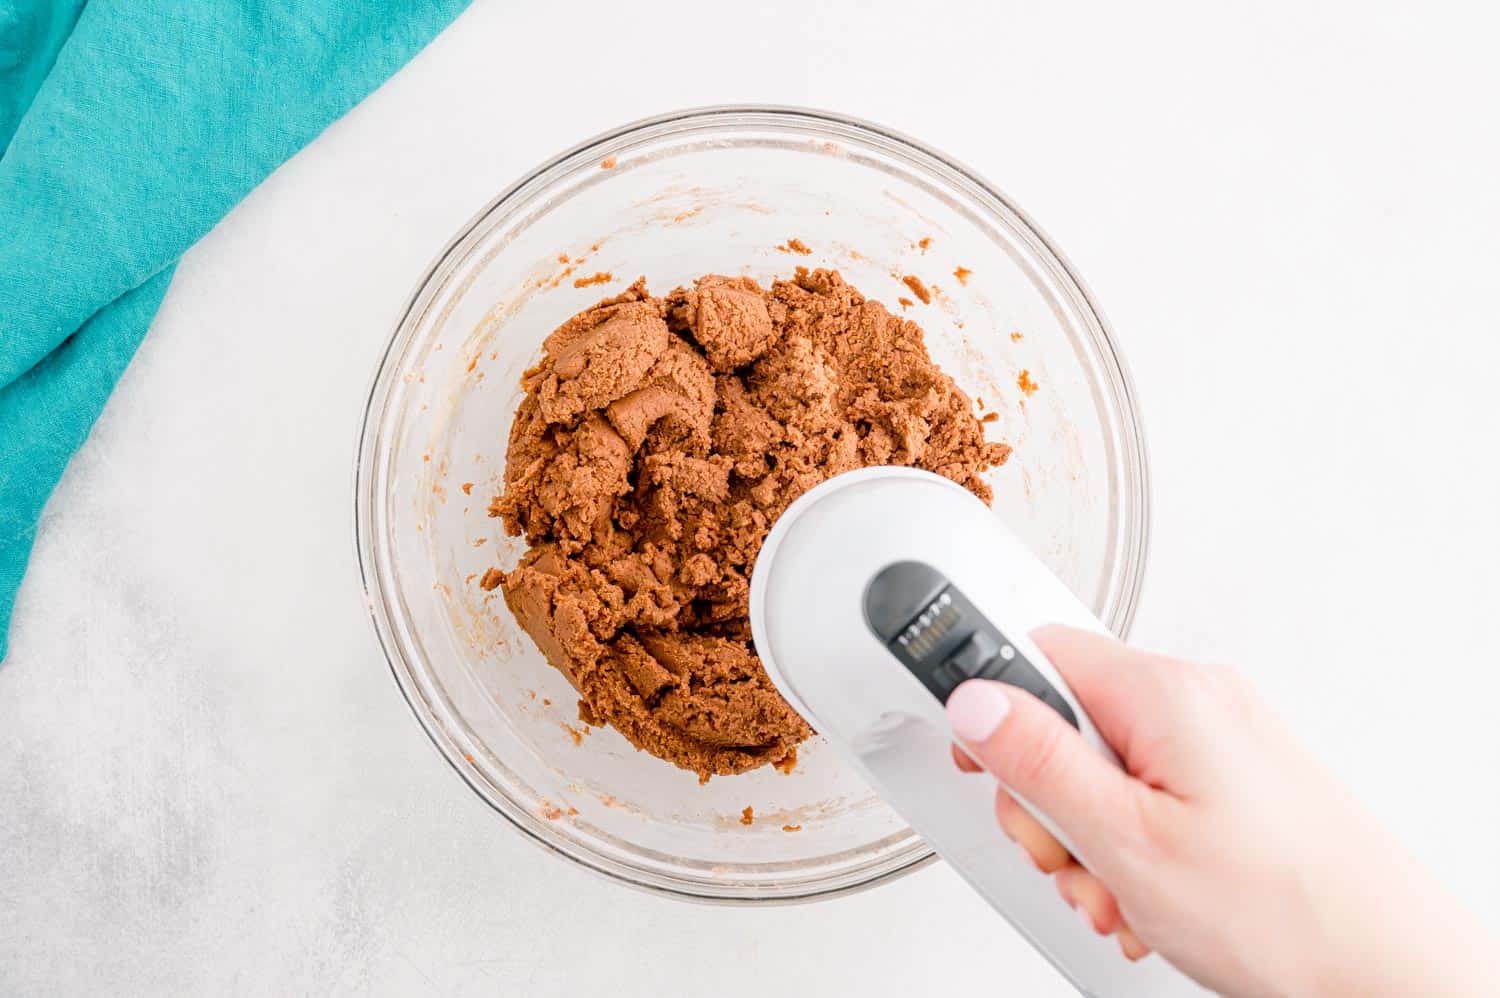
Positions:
{"x": 129, "y": 128}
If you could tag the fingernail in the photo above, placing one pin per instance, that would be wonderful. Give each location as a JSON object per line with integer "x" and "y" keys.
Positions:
{"x": 1131, "y": 945}
{"x": 1088, "y": 919}
{"x": 976, "y": 709}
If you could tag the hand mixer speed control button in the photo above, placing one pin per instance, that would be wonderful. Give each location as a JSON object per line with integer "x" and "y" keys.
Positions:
{"x": 943, "y": 639}
{"x": 974, "y": 654}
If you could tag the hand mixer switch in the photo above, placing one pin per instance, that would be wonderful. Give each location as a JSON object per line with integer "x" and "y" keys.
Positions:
{"x": 930, "y": 626}
{"x": 974, "y": 655}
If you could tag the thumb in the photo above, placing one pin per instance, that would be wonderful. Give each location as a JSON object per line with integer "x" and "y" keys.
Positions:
{"x": 1040, "y": 757}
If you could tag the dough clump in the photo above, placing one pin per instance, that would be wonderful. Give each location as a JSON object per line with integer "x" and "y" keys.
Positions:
{"x": 659, "y": 440}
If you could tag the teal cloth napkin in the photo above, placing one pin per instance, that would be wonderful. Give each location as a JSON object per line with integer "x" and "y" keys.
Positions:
{"x": 128, "y": 129}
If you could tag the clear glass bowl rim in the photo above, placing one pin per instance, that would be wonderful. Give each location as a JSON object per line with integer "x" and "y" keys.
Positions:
{"x": 826, "y": 124}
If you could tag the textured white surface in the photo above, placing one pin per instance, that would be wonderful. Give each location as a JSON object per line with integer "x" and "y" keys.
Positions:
{"x": 210, "y": 783}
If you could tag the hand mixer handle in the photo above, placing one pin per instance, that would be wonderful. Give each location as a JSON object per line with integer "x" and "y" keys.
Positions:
{"x": 933, "y": 628}
{"x": 905, "y": 760}
{"x": 930, "y": 625}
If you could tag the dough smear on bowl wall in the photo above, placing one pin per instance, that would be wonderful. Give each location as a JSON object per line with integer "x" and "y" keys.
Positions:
{"x": 658, "y": 441}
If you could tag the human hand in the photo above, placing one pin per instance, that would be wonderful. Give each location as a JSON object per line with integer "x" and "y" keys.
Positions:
{"x": 1223, "y": 844}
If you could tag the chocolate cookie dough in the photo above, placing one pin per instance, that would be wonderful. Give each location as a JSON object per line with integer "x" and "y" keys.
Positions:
{"x": 658, "y": 441}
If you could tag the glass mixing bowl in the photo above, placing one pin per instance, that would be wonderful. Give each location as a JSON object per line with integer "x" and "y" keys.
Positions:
{"x": 722, "y": 190}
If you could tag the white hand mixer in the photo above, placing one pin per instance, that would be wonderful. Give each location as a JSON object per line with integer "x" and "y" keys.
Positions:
{"x": 875, "y": 595}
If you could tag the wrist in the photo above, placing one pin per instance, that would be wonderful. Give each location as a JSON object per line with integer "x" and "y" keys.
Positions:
{"x": 1396, "y": 933}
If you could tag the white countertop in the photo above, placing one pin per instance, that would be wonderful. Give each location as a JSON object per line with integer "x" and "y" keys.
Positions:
{"x": 210, "y": 782}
